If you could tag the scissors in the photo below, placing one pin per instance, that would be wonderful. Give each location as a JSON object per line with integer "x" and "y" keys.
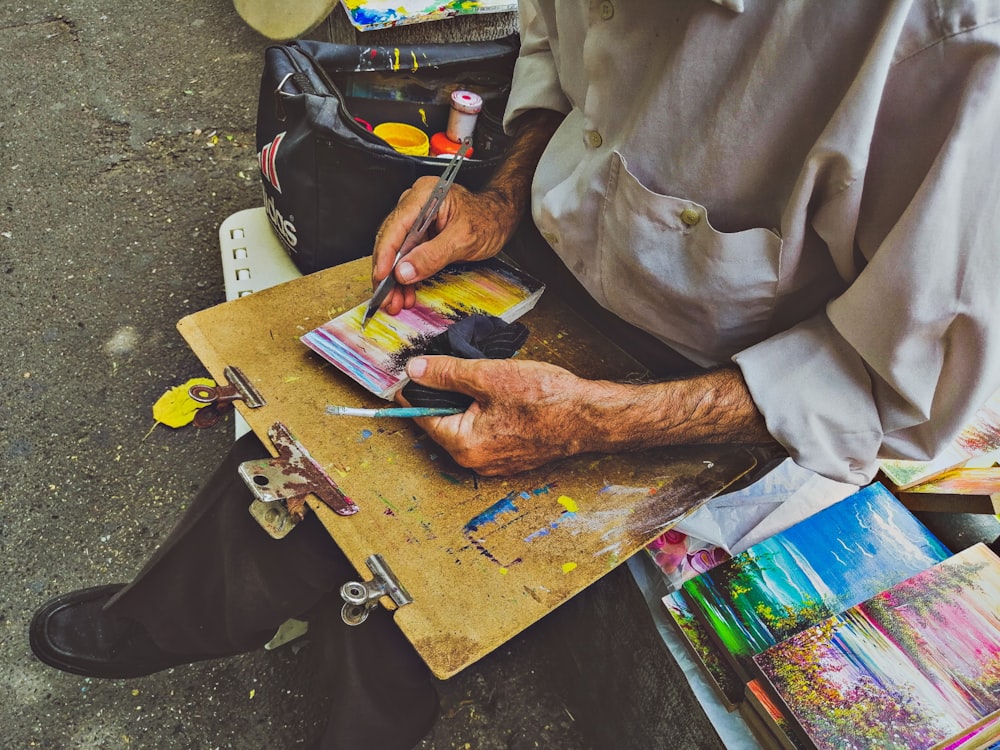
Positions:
{"x": 417, "y": 230}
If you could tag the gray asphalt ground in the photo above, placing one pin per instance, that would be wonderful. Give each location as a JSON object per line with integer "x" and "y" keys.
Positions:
{"x": 127, "y": 137}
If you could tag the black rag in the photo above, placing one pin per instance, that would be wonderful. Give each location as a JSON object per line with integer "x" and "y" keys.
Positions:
{"x": 475, "y": 337}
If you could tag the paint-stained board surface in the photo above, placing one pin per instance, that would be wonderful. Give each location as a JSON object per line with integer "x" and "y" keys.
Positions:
{"x": 482, "y": 557}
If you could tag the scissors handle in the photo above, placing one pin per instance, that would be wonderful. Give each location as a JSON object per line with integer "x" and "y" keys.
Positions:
{"x": 417, "y": 230}
{"x": 430, "y": 207}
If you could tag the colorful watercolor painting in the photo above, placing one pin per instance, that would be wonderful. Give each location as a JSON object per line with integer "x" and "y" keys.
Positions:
{"x": 376, "y": 357}
{"x": 981, "y": 437}
{"x": 366, "y": 15}
{"x": 680, "y": 557}
{"x": 727, "y": 684}
{"x": 976, "y": 736}
{"x": 817, "y": 568}
{"x": 984, "y": 481}
{"x": 909, "y": 668}
{"x": 773, "y": 716}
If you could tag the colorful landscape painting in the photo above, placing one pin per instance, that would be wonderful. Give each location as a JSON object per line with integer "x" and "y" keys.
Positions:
{"x": 380, "y": 14}
{"x": 817, "y": 568}
{"x": 376, "y": 356}
{"x": 909, "y": 668}
{"x": 727, "y": 684}
{"x": 979, "y": 481}
{"x": 981, "y": 437}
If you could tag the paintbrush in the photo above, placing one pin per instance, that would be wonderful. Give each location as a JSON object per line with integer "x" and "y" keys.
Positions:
{"x": 394, "y": 411}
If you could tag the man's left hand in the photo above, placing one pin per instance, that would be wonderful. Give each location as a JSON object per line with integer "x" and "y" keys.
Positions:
{"x": 525, "y": 413}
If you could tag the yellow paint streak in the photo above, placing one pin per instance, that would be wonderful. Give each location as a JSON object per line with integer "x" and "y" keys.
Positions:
{"x": 503, "y": 571}
{"x": 395, "y": 62}
{"x": 415, "y": 66}
{"x": 568, "y": 567}
{"x": 423, "y": 114}
{"x": 568, "y": 503}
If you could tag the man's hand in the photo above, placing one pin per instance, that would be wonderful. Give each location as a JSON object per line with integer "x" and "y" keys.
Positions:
{"x": 526, "y": 414}
{"x": 468, "y": 226}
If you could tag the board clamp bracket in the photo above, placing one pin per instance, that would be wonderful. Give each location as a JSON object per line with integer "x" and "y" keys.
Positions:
{"x": 219, "y": 398}
{"x": 280, "y": 485}
{"x": 360, "y": 596}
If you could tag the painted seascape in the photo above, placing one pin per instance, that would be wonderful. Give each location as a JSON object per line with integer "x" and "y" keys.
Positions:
{"x": 817, "y": 568}
{"x": 912, "y": 667}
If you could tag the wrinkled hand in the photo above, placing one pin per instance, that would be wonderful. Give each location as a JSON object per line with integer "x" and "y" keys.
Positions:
{"x": 525, "y": 413}
{"x": 468, "y": 226}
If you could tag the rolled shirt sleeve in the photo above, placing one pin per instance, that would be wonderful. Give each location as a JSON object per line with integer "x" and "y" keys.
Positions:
{"x": 536, "y": 83}
{"x": 898, "y": 363}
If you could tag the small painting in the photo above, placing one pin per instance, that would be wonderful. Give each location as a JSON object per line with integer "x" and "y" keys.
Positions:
{"x": 366, "y": 15}
{"x": 911, "y": 667}
{"x": 817, "y": 568}
{"x": 376, "y": 355}
{"x": 981, "y": 437}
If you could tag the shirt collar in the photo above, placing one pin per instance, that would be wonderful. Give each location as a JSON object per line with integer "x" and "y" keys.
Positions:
{"x": 734, "y": 5}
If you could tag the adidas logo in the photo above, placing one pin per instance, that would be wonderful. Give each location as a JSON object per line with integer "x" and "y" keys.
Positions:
{"x": 268, "y": 157}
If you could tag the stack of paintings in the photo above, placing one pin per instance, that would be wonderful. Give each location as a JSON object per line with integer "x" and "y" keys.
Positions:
{"x": 915, "y": 666}
{"x": 834, "y": 632}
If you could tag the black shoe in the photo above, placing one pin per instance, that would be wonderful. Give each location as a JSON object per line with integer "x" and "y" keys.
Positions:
{"x": 73, "y": 633}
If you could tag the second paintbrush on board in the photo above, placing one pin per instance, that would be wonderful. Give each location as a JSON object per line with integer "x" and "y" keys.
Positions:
{"x": 406, "y": 412}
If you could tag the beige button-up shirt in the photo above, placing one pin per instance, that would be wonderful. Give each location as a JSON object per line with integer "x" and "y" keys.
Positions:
{"x": 809, "y": 189}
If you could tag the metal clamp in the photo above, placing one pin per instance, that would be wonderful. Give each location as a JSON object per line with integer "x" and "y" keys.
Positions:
{"x": 280, "y": 485}
{"x": 360, "y": 596}
{"x": 219, "y": 398}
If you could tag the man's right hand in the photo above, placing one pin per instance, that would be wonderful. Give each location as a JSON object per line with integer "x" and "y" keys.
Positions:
{"x": 468, "y": 226}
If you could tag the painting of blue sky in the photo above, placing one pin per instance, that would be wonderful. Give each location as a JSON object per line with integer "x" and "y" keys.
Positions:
{"x": 833, "y": 560}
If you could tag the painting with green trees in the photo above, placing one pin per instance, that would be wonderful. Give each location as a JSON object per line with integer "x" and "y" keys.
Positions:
{"x": 911, "y": 667}
{"x": 817, "y": 568}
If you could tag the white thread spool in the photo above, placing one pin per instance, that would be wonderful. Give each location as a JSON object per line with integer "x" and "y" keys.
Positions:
{"x": 465, "y": 107}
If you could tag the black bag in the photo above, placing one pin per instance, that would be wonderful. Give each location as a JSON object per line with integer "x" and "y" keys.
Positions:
{"x": 329, "y": 182}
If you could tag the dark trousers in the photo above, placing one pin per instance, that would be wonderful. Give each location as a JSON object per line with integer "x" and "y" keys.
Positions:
{"x": 220, "y": 585}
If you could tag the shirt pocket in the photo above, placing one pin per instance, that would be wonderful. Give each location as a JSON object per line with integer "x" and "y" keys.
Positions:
{"x": 665, "y": 269}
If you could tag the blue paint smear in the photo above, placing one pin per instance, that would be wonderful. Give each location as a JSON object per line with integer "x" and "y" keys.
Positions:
{"x": 367, "y": 17}
{"x": 365, "y": 434}
{"x": 505, "y": 505}
{"x": 546, "y": 530}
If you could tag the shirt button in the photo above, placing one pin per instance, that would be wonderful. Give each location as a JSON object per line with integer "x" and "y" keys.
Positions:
{"x": 690, "y": 217}
{"x": 607, "y": 10}
{"x": 594, "y": 139}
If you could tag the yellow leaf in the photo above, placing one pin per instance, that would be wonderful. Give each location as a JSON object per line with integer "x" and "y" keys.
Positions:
{"x": 176, "y": 408}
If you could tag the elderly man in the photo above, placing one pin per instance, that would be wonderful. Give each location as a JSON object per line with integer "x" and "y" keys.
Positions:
{"x": 801, "y": 199}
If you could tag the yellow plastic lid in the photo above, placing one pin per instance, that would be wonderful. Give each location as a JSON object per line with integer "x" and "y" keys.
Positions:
{"x": 406, "y": 139}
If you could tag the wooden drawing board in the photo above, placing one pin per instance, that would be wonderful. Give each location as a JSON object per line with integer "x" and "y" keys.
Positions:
{"x": 483, "y": 558}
